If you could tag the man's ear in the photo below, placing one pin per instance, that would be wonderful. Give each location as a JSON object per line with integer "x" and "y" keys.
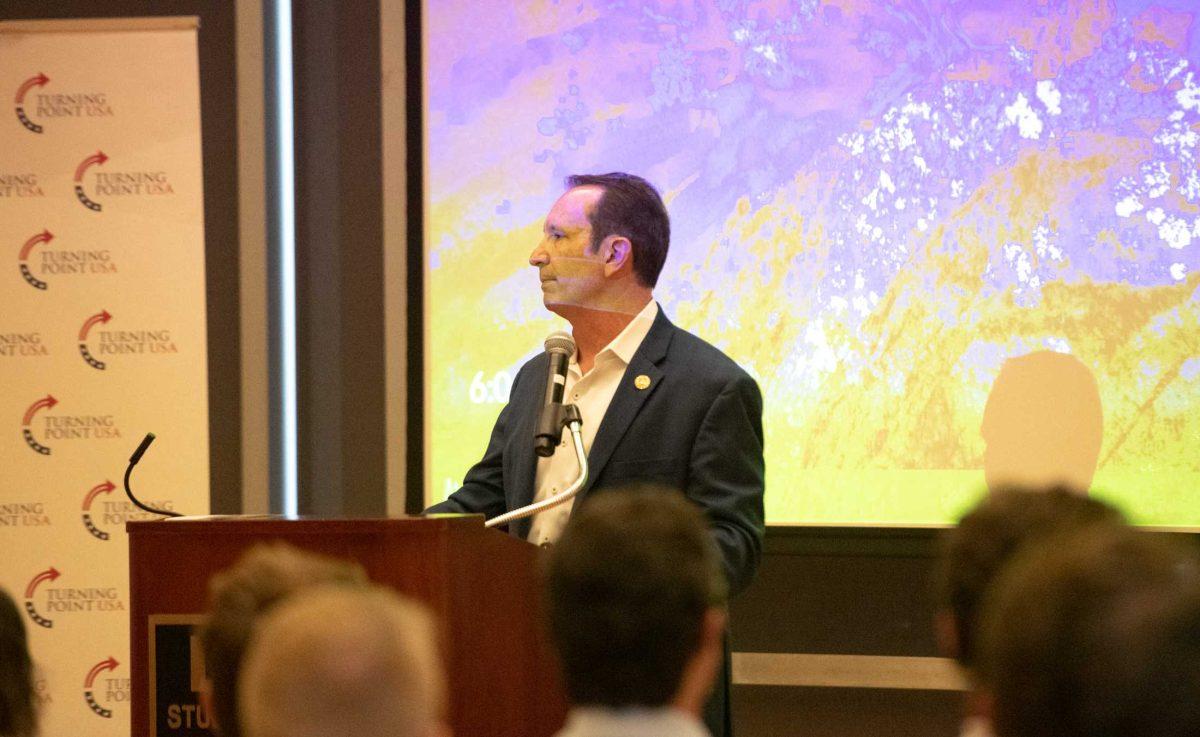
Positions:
{"x": 617, "y": 252}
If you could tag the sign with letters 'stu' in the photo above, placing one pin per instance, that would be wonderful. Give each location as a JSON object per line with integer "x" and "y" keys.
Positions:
{"x": 176, "y": 677}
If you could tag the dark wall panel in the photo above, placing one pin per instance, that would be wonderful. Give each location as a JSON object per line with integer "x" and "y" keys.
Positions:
{"x": 339, "y": 259}
{"x": 845, "y": 591}
{"x": 777, "y": 711}
{"x": 842, "y": 591}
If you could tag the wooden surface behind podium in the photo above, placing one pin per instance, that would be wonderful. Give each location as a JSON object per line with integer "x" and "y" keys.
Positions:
{"x": 480, "y": 583}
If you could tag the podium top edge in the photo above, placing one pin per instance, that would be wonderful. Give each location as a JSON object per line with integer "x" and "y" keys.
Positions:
{"x": 102, "y": 25}
{"x": 292, "y": 522}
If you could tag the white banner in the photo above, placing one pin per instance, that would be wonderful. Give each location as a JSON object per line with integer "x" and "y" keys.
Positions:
{"x": 102, "y": 334}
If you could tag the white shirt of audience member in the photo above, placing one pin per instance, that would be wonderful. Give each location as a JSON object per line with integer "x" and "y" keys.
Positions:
{"x": 631, "y": 722}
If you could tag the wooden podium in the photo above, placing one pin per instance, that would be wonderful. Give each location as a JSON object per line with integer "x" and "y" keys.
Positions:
{"x": 481, "y": 584}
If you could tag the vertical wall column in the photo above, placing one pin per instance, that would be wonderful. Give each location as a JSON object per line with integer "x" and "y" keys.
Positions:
{"x": 341, "y": 341}
{"x": 252, "y": 260}
{"x": 394, "y": 51}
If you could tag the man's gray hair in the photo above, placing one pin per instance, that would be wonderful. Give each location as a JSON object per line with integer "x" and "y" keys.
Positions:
{"x": 333, "y": 661}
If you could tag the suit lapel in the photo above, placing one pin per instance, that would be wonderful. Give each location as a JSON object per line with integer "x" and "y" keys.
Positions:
{"x": 628, "y": 400}
{"x": 525, "y": 465}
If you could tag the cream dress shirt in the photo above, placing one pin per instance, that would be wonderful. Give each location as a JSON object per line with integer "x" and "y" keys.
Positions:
{"x": 591, "y": 394}
{"x": 632, "y": 722}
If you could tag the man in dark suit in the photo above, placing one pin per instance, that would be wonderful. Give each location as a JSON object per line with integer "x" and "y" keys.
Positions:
{"x": 658, "y": 403}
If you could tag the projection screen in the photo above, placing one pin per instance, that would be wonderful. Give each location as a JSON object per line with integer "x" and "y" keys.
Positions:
{"x": 874, "y": 206}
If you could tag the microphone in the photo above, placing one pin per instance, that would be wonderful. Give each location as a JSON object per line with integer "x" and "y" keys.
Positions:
{"x": 133, "y": 461}
{"x": 554, "y": 418}
{"x": 560, "y": 346}
{"x": 141, "y": 449}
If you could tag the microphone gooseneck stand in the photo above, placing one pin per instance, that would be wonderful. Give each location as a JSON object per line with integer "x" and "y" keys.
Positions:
{"x": 570, "y": 419}
{"x": 133, "y": 461}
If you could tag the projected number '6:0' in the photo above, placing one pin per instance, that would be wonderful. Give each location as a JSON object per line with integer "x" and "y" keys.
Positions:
{"x": 492, "y": 390}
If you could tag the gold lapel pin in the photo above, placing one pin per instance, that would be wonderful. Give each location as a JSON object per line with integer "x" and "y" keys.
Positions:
{"x": 642, "y": 381}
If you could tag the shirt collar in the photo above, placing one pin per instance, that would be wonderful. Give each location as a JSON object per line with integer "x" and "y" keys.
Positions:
{"x": 631, "y": 336}
{"x": 633, "y": 722}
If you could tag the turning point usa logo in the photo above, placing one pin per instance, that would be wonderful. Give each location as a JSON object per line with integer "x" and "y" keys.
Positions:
{"x": 64, "y": 427}
{"x": 114, "y": 511}
{"x": 22, "y": 345}
{"x": 45, "y": 402}
{"x": 42, "y": 601}
{"x": 120, "y": 342}
{"x": 113, "y": 689}
{"x": 105, "y": 488}
{"x": 22, "y": 184}
{"x": 40, "y": 80}
{"x": 116, "y": 183}
{"x": 45, "y": 104}
{"x": 24, "y": 514}
{"x": 37, "y": 266}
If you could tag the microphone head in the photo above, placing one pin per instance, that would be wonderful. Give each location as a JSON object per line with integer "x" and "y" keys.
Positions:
{"x": 141, "y": 449}
{"x": 560, "y": 341}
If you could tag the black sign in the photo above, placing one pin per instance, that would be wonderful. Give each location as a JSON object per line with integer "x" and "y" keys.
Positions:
{"x": 176, "y": 674}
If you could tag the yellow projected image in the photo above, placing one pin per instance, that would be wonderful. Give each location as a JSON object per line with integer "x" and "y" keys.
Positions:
{"x": 951, "y": 255}
{"x": 897, "y": 390}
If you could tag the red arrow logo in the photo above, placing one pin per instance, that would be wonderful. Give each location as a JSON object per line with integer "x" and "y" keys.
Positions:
{"x": 39, "y": 81}
{"x": 87, "y": 324}
{"x": 44, "y": 237}
{"x": 105, "y": 488}
{"x": 47, "y": 575}
{"x": 43, "y": 403}
{"x": 98, "y": 668}
{"x": 96, "y": 158}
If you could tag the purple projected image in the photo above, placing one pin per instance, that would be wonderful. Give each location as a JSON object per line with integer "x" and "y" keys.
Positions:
{"x": 874, "y": 205}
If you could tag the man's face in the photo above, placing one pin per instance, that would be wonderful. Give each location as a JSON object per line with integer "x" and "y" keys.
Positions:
{"x": 572, "y": 274}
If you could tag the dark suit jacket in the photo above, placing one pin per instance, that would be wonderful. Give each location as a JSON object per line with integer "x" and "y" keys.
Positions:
{"x": 698, "y": 428}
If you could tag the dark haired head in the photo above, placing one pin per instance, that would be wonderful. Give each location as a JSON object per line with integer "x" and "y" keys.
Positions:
{"x": 18, "y": 717}
{"x": 986, "y": 539}
{"x": 628, "y": 588}
{"x": 1095, "y": 634}
{"x": 630, "y": 207}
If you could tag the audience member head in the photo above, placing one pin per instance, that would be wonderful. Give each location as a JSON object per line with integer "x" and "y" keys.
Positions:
{"x": 1043, "y": 423}
{"x": 18, "y": 715}
{"x": 1095, "y": 634}
{"x": 334, "y": 662}
{"x": 986, "y": 539}
{"x": 635, "y": 598}
{"x": 237, "y": 597}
